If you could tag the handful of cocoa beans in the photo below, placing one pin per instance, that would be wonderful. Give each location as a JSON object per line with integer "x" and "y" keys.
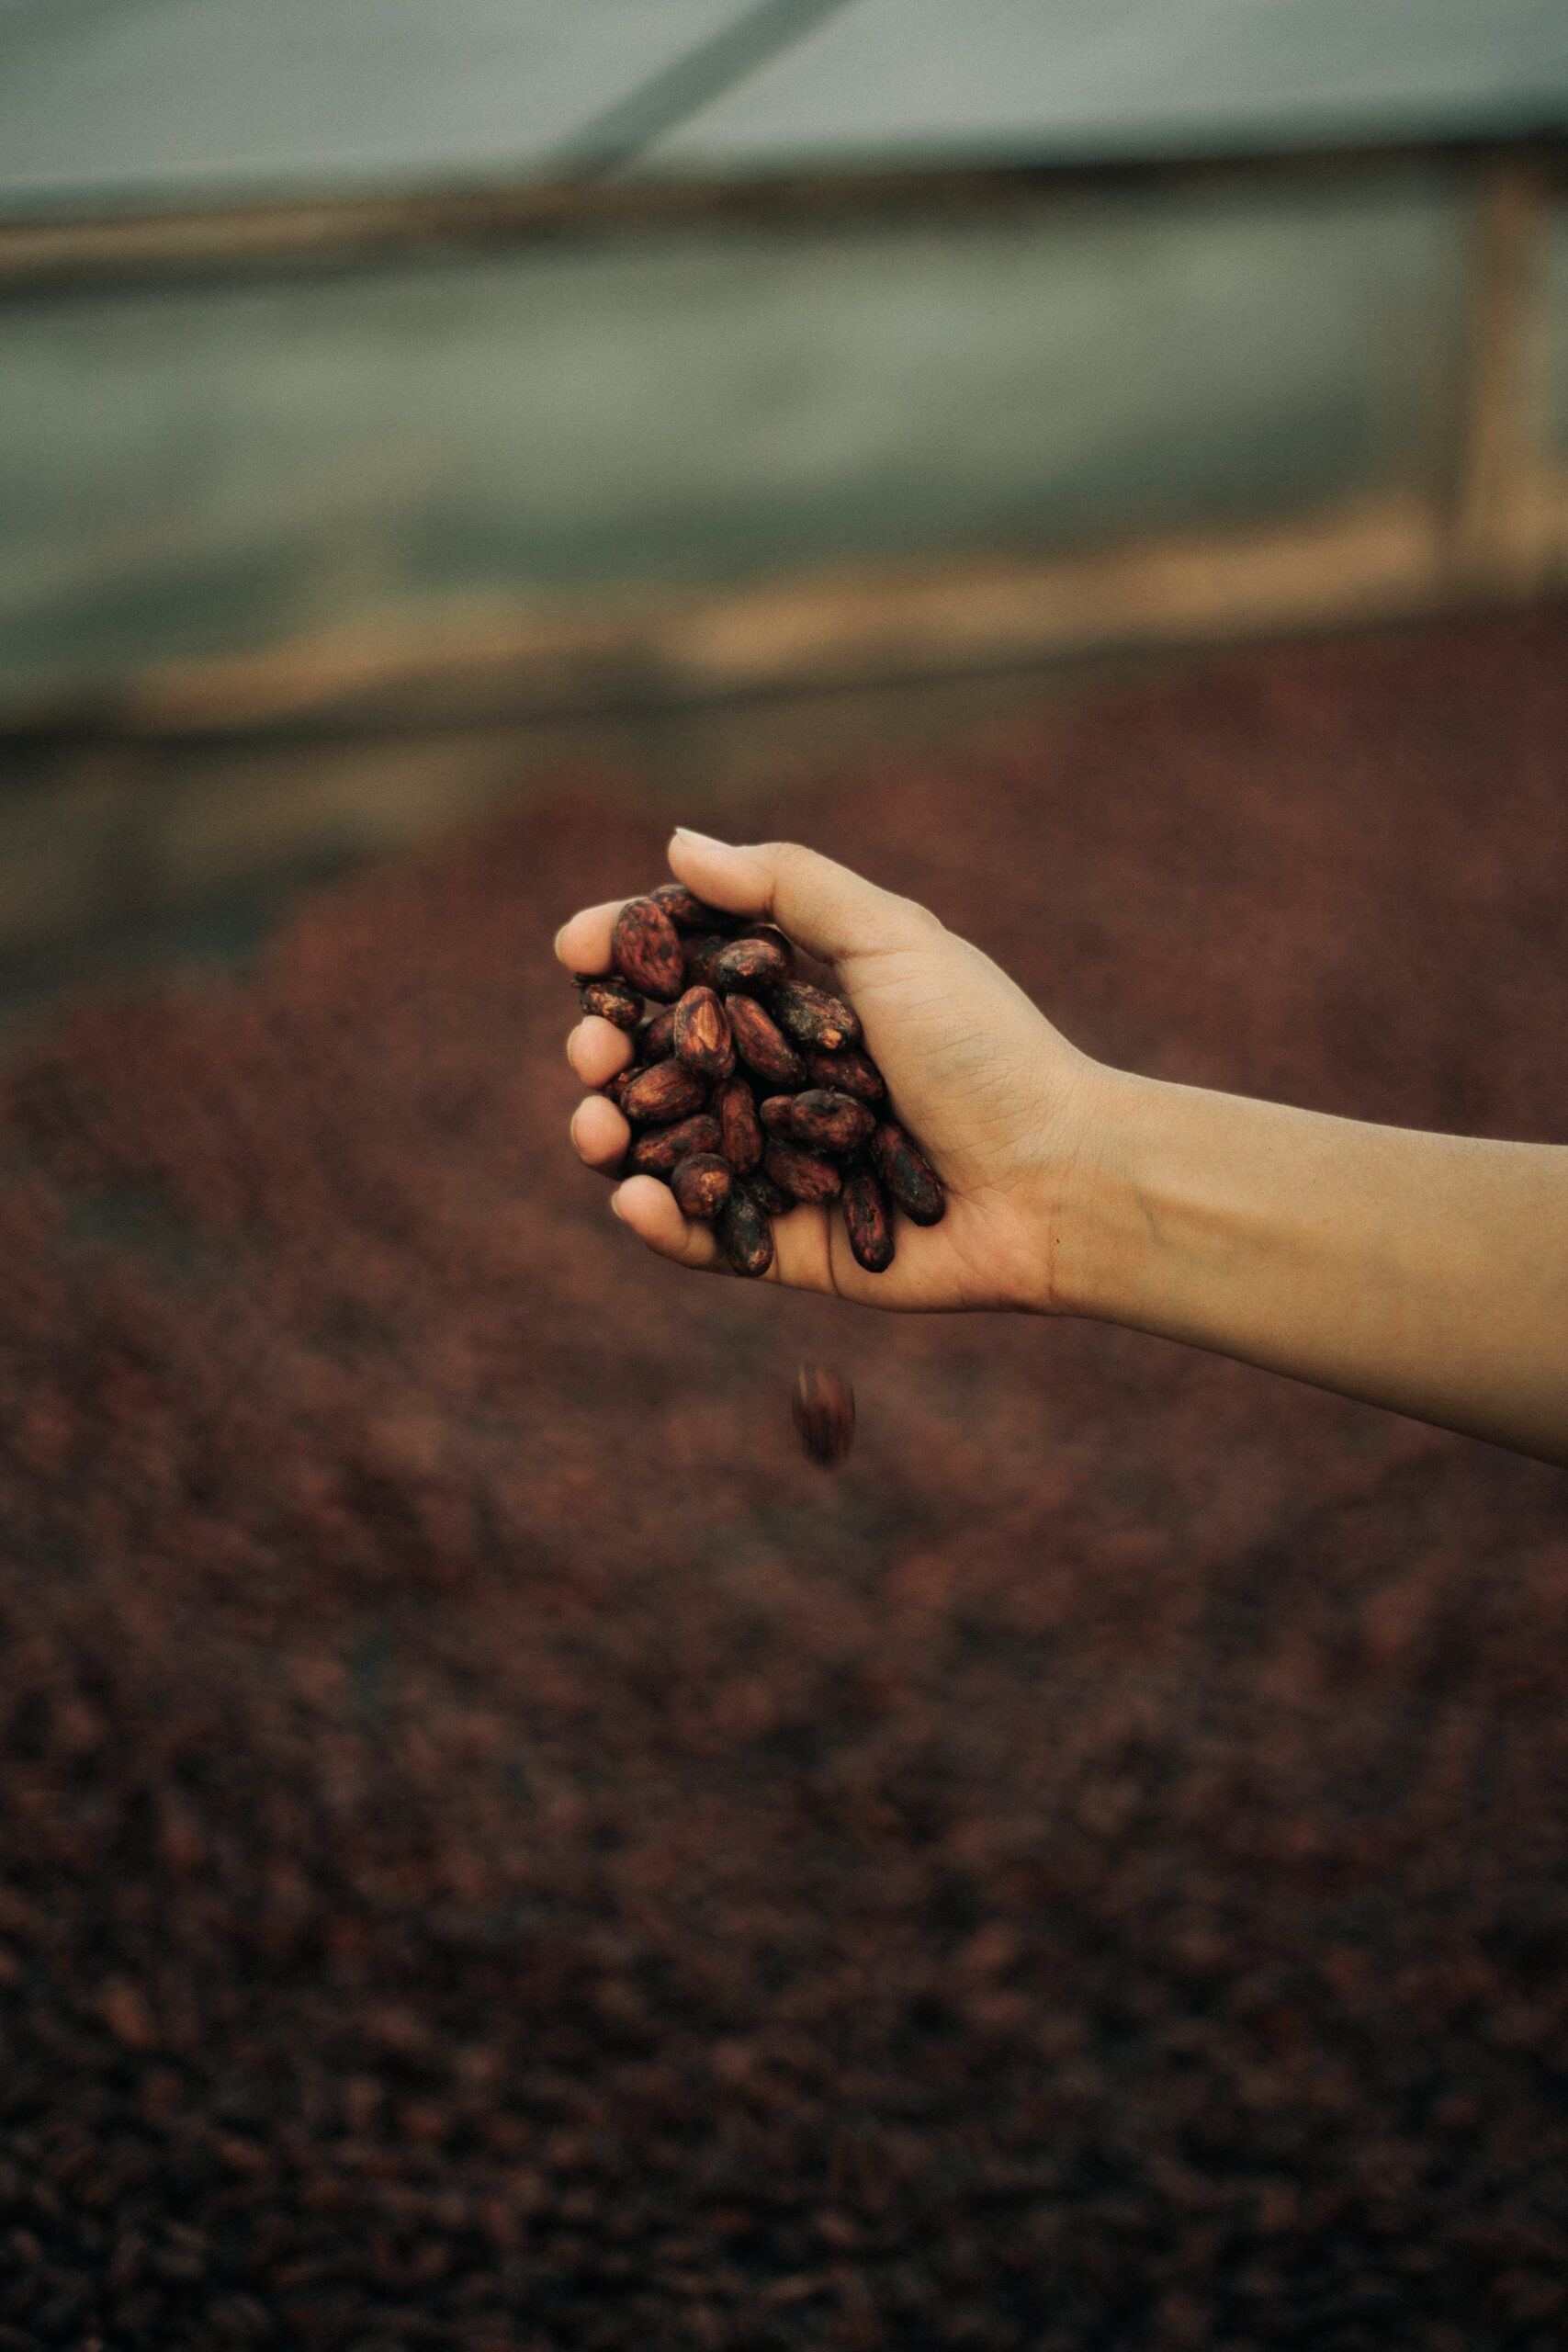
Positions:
{"x": 751, "y": 1092}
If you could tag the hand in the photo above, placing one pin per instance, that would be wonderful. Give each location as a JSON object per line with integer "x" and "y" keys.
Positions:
{"x": 1001, "y": 1104}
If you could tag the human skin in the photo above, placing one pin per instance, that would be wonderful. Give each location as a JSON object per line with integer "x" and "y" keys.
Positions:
{"x": 1423, "y": 1272}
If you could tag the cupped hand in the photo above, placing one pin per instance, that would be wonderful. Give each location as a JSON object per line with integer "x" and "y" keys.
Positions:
{"x": 1000, "y": 1102}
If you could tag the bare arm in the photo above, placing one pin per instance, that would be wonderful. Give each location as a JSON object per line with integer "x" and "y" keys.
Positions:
{"x": 1425, "y": 1273}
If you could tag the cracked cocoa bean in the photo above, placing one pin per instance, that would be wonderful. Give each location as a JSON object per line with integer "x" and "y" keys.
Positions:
{"x": 749, "y": 965}
{"x": 702, "y": 1184}
{"x": 866, "y": 1220}
{"x": 744, "y": 1234}
{"x": 665, "y": 1091}
{"x": 701, "y": 1034}
{"x": 645, "y": 950}
{"x": 611, "y": 999}
{"x": 661, "y": 1151}
{"x": 814, "y": 1018}
{"x": 907, "y": 1174}
{"x": 735, "y": 1106}
{"x": 846, "y": 1072}
{"x": 761, "y": 1043}
{"x": 802, "y": 1173}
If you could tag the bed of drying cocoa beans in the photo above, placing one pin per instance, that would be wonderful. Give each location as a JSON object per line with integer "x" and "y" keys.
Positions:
{"x": 749, "y": 1087}
{"x": 499, "y": 1853}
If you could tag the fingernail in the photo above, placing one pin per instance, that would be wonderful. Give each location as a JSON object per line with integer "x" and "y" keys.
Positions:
{"x": 703, "y": 841}
{"x": 616, "y": 1206}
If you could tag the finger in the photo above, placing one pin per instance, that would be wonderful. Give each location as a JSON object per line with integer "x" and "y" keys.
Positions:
{"x": 582, "y": 944}
{"x": 597, "y": 1049}
{"x": 648, "y": 1209}
{"x": 600, "y": 1134}
{"x": 833, "y": 913}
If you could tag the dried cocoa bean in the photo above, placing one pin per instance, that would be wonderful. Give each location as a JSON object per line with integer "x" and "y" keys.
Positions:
{"x": 736, "y": 1108}
{"x": 846, "y": 1072}
{"x": 662, "y": 1093}
{"x": 760, "y": 1045}
{"x": 645, "y": 950}
{"x": 774, "y": 1112}
{"x": 701, "y": 955}
{"x": 656, "y": 1040}
{"x": 685, "y": 910}
{"x": 744, "y": 1234}
{"x": 815, "y": 1018}
{"x": 702, "y": 1184}
{"x": 824, "y": 1406}
{"x": 609, "y": 996}
{"x": 614, "y": 1088}
{"x": 907, "y": 1174}
{"x": 770, "y": 931}
{"x": 660, "y": 1150}
{"x": 824, "y": 1121}
{"x": 701, "y": 1034}
{"x": 802, "y": 1173}
{"x": 768, "y": 1195}
{"x": 751, "y": 964}
{"x": 866, "y": 1220}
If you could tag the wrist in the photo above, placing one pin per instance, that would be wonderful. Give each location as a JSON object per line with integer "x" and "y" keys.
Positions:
{"x": 1089, "y": 1197}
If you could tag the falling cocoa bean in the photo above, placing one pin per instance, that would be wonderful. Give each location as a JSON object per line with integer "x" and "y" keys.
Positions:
{"x": 664, "y": 1092}
{"x": 645, "y": 950}
{"x": 907, "y": 1174}
{"x": 702, "y": 1184}
{"x": 814, "y": 1018}
{"x": 760, "y": 1045}
{"x": 659, "y": 1151}
{"x": 802, "y": 1173}
{"x": 824, "y": 1408}
{"x": 701, "y": 1034}
{"x": 866, "y": 1220}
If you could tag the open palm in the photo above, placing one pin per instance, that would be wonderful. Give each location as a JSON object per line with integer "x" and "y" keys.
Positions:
{"x": 996, "y": 1096}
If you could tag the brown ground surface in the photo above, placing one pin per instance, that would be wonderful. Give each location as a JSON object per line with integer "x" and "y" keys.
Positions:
{"x": 497, "y": 1850}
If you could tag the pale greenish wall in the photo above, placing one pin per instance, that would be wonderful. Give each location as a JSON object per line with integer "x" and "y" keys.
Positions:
{"x": 207, "y": 470}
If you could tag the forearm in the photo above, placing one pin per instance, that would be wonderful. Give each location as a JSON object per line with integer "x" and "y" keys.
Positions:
{"x": 1425, "y": 1273}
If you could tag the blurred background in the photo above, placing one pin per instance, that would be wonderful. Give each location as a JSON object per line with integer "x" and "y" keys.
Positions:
{"x": 496, "y": 1851}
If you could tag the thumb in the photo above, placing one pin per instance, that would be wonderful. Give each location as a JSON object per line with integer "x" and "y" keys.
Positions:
{"x": 835, "y": 914}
